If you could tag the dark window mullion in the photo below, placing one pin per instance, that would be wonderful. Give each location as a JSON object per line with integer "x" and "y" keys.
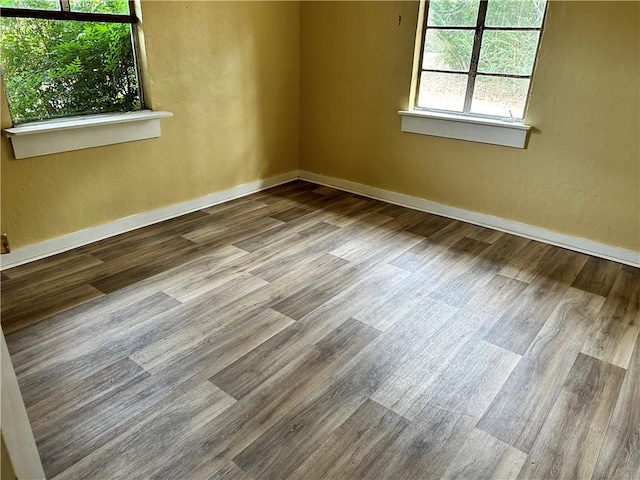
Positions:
{"x": 503, "y": 75}
{"x": 132, "y": 11}
{"x": 135, "y": 44}
{"x": 64, "y": 5}
{"x": 447, "y": 27}
{"x": 435, "y": 70}
{"x": 475, "y": 56}
{"x": 62, "y": 15}
{"x": 515, "y": 29}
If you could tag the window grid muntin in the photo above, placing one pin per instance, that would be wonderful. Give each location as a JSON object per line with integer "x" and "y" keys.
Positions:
{"x": 66, "y": 14}
{"x": 473, "y": 68}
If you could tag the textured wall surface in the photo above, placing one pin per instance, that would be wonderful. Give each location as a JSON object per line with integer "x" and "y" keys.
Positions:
{"x": 580, "y": 174}
{"x": 229, "y": 72}
{"x": 237, "y": 74}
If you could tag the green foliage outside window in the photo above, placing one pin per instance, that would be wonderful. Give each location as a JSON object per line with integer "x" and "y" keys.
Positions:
{"x": 59, "y": 68}
{"x": 502, "y": 51}
{"x": 500, "y": 77}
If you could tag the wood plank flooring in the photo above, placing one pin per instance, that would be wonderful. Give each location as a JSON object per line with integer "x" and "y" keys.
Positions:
{"x": 308, "y": 333}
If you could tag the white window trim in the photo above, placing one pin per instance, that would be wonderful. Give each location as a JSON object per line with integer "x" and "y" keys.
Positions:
{"x": 75, "y": 133}
{"x": 465, "y": 127}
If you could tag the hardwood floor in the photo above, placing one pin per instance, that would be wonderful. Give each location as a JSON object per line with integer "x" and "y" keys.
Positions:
{"x": 307, "y": 333}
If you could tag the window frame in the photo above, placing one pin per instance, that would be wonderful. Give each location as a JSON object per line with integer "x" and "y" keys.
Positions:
{"x": 473, "y": 73}
{"x": 65, "y": 13}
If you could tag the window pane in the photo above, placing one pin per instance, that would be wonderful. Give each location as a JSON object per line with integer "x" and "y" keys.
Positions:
{"x": 500, "y": 96}
{"x": 31, "y": 4}
{"x": 515, "y": 13}
{"x": 448, "y": 49}
{"x": 453, "y": 13}
{"x": 443, "y": 91}
{"x": 120, "y": 7}
{"x": 55, "y": 68}
{"x": 508, "y": 52}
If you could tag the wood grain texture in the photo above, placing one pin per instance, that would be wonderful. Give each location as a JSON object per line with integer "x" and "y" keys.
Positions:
{"x": 520, "y": 408}
{"x": 21, "y": 313}
{"x": 526, "y": 266}
{"x": 620, "y": 454}
{"x": 483, "y": 457}
{"x": 305, "y": 332}
{"x": 354, "y": 444}
{"x": 422, "y": 450}
{"x": 614, "y": 333}
{"x": 597, "y": 276}
{"x": 139, "y": 449}
{"x": 478, "y": 271}
{"x": 517, "y": 328}
{"x": 455, "y": 391}
{"x": 277, "y": 397}
{"x": 569, "y": 442}
{"x": 437, "y": 376}
{"x": 229, "y": 471}
{"x": 280, "y": 450}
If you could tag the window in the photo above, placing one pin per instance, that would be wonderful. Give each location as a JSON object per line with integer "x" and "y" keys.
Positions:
{"x": 64, "y": 58}
{"x": 477, "y": 57}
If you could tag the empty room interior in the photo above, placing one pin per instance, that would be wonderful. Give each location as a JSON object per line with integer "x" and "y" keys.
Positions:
{"x": 320, "y": 239}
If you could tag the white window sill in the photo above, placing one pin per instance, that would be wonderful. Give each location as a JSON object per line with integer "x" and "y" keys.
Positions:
{"x": 462, "y": 127}
{"x": 75, "y": 133}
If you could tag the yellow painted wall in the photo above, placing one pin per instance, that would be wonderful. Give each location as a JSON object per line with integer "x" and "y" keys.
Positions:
{"x": 6, "y": 468}
{"x": 580, "y": 174}
{"x": 237, "y": 74}
{"x": 229, "y": 72}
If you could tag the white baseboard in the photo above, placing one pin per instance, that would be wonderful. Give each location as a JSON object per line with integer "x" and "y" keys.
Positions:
{"x": 61, "y": 244}
{"x": 578, "y": 244}
{"x": 77, "y": 239}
